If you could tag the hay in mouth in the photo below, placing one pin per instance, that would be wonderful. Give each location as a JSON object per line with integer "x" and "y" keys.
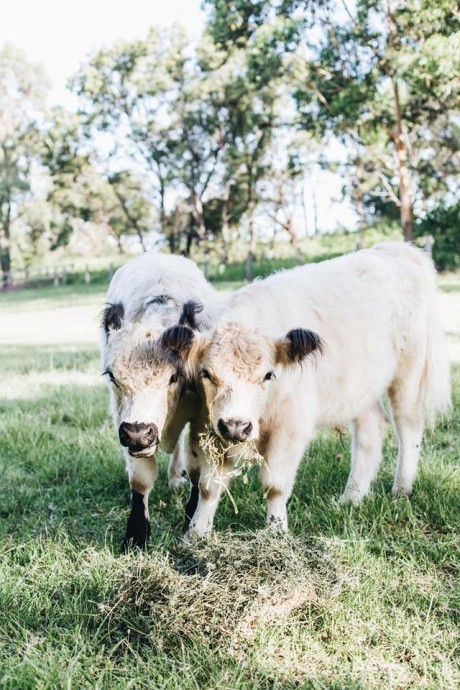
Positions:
{"x": 241, "y": 454}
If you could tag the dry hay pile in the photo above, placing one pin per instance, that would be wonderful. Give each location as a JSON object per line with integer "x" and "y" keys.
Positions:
{"x": 223, "y": 591}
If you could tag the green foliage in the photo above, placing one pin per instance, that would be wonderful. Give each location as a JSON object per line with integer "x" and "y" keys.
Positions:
{"x": 443, "y": 224}
{"x": 25, "y": 85}
{"x": 382, "y": 78}
{"x": 185, "y": 145}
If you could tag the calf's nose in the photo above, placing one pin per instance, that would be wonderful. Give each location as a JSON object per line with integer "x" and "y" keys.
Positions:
{"x": 234, "y": 429}
{"x": 137, "y": 436}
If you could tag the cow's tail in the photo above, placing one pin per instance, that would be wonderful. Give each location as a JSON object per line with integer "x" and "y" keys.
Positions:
{"x": 436, "y": 383}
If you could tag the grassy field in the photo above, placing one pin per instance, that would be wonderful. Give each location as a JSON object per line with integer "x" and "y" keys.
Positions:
{"x": 363, "y": 597}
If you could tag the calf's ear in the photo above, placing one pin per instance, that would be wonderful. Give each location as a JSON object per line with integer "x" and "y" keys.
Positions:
{"x": 112, "y": 317}
{"x": 188, "y": 317}
{"x": 184, "y": 345}
{"x": 296, "y": 345}
{"x": 179, "y": 339}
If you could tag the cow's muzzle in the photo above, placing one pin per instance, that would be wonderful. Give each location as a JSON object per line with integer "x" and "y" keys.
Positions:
{"x": 139, "y": 438}
{"x": 234, "y": 429}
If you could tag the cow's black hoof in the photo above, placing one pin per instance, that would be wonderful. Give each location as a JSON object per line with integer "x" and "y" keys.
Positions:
{"x": 191, "y": 506}
{"x": 138, "y": 527}
{"x": 136, "y": 538}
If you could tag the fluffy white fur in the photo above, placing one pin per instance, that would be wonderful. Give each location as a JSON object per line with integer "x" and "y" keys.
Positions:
{"x": 376, "y": 314}
{"x": 152, "y": 290}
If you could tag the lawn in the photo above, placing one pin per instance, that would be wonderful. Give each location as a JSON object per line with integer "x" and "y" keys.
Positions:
{"x": 365, "y": 597}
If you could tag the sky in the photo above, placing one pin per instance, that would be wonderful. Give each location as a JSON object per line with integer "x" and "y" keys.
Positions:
{"x": 59, "y": 34}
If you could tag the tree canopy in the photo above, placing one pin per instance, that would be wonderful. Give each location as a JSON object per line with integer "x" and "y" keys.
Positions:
{"x": 189, "y": 145}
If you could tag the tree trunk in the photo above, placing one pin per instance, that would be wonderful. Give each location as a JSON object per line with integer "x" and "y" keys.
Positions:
{"x": 169, "y": 236}
{"x": 304, "y": 209}
{"x": 294, "y": 241}
{"x": 358, "y": 199}
{"x": 5, "y": 250}
{"x": 403, "y": 170}
{"x": 198, "y": 215}
{"x": 315, "y": 212}
{"x": 5, "y": 262}
{"x": 225, "y": 225}
{"x": 252, "y": 247}
{"x": 189, "y": 236}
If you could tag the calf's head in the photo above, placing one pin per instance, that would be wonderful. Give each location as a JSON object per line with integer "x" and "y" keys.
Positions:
{"x": 144, "y": 377}
{"x": 237, "y": 367}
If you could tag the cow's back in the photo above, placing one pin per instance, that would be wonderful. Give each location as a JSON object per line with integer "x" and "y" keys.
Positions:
{"x": 368, "y": 308}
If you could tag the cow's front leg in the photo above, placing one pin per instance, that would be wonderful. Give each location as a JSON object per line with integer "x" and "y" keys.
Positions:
{"x": 213, "y": 480}
{"x": 142, "y": 474}
{"x": 278, "y": 472}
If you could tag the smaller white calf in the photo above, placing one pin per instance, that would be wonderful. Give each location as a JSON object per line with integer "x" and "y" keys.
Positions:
{"x": 151, "y": 401}
{"x": 318, "y": 346}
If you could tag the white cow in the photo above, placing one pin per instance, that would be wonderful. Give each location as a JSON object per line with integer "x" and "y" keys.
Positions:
{"x": 149, "y": 396}
{"x": 318, "y": 346}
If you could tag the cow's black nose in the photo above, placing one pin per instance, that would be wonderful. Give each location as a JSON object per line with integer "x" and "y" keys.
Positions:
{"x": 234, "y": 429}
{"x": 137, "y": 436}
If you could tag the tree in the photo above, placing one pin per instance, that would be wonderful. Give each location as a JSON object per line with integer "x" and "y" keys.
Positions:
{"x": 443, "y": 223}
{"x": 380, "y": 76}
{"x": 22, "y": 90}
{"x": 81, "y": 189}
{"x": 128, "y": 95}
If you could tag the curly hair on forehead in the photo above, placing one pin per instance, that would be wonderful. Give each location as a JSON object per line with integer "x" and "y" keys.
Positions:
{"x": 234, "y": 342}
{"x": 138, "y": 344}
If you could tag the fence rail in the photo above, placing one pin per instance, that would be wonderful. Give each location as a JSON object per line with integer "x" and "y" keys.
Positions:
{"x": 43, "y": 276}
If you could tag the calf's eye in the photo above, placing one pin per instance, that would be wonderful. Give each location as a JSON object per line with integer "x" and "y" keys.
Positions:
{"x": 205, "y": 374}
{"x": 174, "y": 378}
{"x": 108, "y": 373}
{"x": 269, "y": 376}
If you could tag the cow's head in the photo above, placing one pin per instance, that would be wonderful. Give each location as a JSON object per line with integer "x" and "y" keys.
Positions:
{"x": 237, "y": 367}
{"x": 144, "y": 377}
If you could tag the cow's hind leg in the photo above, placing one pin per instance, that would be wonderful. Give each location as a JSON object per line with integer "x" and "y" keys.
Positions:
{"x": 177, "y": 469}
{"x": 142, "y": 474}
{"x": 408, "y": 416}
{"x": 368, "y": 433}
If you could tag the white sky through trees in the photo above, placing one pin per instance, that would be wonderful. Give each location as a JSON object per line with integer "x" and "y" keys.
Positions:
{"x": 61, "y": 33}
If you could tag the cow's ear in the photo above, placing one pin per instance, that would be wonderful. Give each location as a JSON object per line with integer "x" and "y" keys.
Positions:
{"x": 179, "y": 339}
{"x": 112, "y": 317}
{"x": 296, "y": 345}
{"x": 186, "y": 345}
{"x": 190, "y": 310}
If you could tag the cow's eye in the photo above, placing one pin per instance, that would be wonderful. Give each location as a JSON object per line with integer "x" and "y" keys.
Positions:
{"x": 269, "y": 376}
{"x": 108, "y": 373}
{"x": 204, "y": 373}
{"x": 174, "y": 378}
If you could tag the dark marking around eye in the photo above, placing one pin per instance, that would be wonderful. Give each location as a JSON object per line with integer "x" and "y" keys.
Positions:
{"x": 112, "y": 317}
{"x": 108, "y": 373}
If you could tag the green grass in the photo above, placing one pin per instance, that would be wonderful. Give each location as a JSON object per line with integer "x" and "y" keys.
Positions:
{"x": 363, "y": 597}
